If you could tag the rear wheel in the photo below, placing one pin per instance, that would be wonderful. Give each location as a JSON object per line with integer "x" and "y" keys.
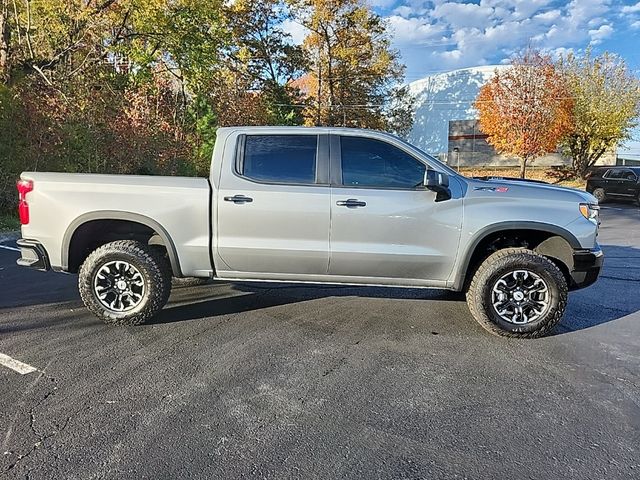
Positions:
{"x": 125, "y": 282}
{"x": 518, "y": 293}
{"x": 600, "y": 195}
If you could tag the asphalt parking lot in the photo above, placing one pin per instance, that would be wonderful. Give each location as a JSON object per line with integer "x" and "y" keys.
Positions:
{"x": 257, "y": 381}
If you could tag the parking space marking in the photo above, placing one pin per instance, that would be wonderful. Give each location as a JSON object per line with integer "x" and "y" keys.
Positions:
{"x": 16, "y": 365}
{"x": 13, "y": 249}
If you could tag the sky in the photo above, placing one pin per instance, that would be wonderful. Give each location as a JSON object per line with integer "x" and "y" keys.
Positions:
{"x": 436, "y": 36}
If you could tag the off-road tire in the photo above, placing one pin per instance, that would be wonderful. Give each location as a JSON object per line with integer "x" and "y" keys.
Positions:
{"x": 600, "y": 195}
{"x": 188, "y": 282}
{"x": 150, "y": 261}
{"x": 501, "y": 262}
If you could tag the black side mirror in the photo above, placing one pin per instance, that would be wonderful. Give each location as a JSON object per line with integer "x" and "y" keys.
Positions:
{"x": 437, "y": 182}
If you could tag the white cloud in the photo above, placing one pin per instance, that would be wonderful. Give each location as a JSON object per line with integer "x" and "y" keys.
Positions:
{"x": 459, "y": 15}
{"x": 415, "y": 30}
{"x": 631, "y": 8}
{"x": 597, "y": 36}
{"x": 548, "y": 16}
{"x": 438, "y": 35}
{"x": 636, "y": 24}
{"x": 404, "y": 11}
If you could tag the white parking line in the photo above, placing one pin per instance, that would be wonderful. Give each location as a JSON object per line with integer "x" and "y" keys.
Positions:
{"x": 15, "y": 365}
{"x": 13, "y": 249}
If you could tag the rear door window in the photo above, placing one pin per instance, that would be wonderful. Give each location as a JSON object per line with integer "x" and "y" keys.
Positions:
{"x": 280, "y": 158}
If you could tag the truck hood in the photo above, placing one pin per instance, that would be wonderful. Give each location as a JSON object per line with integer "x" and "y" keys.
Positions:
{"x": 526, "y": 188}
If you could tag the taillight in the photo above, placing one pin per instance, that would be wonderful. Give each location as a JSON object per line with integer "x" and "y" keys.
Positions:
{"x": 24, "y": 187}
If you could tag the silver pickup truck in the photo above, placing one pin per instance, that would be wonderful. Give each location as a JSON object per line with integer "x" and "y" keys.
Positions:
{"x": 316, "y": 205}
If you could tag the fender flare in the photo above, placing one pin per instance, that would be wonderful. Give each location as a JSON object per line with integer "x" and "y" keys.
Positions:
{"x": 126, "y": 216}
{"x": 463, "y": 266}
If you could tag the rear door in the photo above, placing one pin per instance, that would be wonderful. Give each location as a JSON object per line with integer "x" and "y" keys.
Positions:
{"x": 621, "y": 182}
{"x": 385, "y": 227}
{"x": 629, "y": 183}
{"x": 273, "y": 207}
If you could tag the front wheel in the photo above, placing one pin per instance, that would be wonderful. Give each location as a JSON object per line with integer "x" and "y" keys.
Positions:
{"x": 518, "y": 293}
{"x": 600, "y": 195}
{"x": 125, "y": 282}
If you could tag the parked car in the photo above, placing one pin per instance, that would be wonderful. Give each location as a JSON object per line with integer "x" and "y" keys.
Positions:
{"x": 316, "y": 205}
{"x": 615, "y": 183}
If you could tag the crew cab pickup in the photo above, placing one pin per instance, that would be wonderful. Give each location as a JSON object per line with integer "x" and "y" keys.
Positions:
{"x": 316, "y": 205}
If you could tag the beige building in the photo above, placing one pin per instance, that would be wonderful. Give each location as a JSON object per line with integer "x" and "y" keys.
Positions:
{"x": 467, "y": 146}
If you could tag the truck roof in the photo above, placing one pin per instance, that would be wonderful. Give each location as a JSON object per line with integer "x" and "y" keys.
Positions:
{"x": 281, "y": 129}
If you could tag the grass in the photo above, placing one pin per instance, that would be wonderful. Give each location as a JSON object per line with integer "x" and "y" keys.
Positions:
{"x": 9, "y": 222}
{"x": 545, "y": 174}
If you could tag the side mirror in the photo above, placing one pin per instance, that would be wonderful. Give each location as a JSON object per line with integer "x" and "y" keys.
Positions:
{"x": 434, "y": 179}
{"x": 437, "y": 182}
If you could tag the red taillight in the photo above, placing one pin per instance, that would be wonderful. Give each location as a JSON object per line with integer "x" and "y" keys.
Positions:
{"x": 24, "y": 187}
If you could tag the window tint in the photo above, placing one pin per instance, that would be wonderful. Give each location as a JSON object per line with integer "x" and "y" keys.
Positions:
{"x": 621, "y": 174}
{"x": 373, "y": 163}
{"x": 280, "y": 158}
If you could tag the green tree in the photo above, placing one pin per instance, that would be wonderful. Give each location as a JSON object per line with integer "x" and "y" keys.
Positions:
{"x": 353, "y": 72}
{"x": 265, "y": 57}
{"x": 606, "y": 106}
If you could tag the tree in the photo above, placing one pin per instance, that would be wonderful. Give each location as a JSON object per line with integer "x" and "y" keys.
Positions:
{"x": 264, "y": 56}
{"x": 526, "y": 109}
{"x": 353, "y": 72}
{"x": 606, "y": 108}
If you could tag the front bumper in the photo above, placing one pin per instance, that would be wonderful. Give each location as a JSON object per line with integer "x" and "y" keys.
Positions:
{"x": 33, "y": 255}
{"x": 586, "y": 267}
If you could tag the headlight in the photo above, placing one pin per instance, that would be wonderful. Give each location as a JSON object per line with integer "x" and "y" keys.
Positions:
{"x": 590, "y": 211}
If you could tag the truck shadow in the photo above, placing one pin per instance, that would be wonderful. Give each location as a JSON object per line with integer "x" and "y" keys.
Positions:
{"x": 612, "y": 297}
{"x": 228, "y": 299}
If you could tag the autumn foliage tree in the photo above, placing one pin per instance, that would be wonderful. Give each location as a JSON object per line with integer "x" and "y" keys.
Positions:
{"x": 526, "y": 109}
{"x": 353, "y": 73}
{"x": 606, "y": 106}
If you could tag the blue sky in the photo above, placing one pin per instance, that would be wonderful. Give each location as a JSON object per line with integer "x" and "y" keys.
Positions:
{"x": 437, "y": 35}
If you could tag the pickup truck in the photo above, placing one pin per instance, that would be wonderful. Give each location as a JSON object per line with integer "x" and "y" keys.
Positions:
{"x": 322, "y": 206}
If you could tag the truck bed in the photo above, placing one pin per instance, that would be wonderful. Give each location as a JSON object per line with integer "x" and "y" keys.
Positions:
{"x": 177, "y": 206}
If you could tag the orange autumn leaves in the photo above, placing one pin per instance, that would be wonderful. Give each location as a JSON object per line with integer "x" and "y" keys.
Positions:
{"x": 526, "y": 110}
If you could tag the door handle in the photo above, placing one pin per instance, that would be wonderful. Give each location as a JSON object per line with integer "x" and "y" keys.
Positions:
{"x": 351, "y": 203}
{"x": 238, "y": 199}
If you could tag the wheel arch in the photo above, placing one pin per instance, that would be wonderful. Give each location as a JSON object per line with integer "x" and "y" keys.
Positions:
{"x": 547, "y": 239}
{"x": 135, "y": 219}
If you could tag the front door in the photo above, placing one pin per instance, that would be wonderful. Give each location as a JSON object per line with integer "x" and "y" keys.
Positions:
{"x": 273, "y": 208}
{"x": 385, "y": 227}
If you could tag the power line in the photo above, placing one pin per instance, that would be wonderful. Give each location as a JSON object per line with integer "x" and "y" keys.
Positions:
{"x": 377, "y": 105}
